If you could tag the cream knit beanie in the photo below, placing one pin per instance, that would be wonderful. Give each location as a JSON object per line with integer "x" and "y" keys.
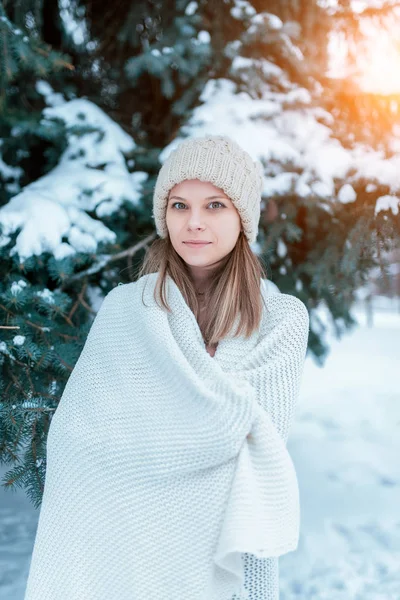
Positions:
{"x": 217, "y": 159}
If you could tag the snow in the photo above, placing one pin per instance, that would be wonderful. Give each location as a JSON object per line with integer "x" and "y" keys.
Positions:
{"x": 204, "y": 37}
{"x": 386, "y": 202}
{"x": 242, "y": 8}
{"x": 283, "y": 130}
{"x": 91, "y": 176}
{"x": 279, "y": 185}
{"x": 274, "y": 22}
{"x": 281, "y": 249}
{"x": 266, "y": 21}
{"x": 191, "y": 8}
{"x": 52, "y": 98}
{"x": 17, "y": 287}
{"x": 346, "y": 194}
{"x": 47, "y": 295}
{"x": 345, "y": 445}
{"x": 246, "y": 64}
{"x": 288, "y": 135}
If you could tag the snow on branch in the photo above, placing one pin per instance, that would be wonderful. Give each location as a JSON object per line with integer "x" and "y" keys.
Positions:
{"x": 299, "y": 152}
{"x": 91, "y": 177}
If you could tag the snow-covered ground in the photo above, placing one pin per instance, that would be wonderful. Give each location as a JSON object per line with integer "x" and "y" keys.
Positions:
{"x": 346, "y": 448}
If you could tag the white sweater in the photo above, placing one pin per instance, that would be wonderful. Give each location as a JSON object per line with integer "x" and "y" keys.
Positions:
{"x": 167, "y": 475}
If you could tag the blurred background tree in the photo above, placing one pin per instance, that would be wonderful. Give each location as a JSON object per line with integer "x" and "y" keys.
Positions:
{"x": 92, "y": 99}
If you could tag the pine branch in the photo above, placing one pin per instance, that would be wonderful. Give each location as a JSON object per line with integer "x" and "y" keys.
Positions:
{"x": 106, "y": 259}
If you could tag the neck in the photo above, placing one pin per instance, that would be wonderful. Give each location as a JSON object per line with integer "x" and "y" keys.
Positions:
{"x": 202, "y": 276}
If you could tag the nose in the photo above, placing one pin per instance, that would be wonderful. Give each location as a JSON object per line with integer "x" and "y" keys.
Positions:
{"x": 194, "y": 220}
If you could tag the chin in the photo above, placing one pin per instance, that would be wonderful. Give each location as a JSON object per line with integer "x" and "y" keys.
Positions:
{"x": 192, "y": 262}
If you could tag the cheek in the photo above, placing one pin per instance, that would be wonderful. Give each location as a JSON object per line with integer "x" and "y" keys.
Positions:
{"x": 229, "y": 221}
{"x": 171, "y": 222}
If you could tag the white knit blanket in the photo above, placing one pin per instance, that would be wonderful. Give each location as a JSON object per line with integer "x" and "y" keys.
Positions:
{"x": 164, "y": 464}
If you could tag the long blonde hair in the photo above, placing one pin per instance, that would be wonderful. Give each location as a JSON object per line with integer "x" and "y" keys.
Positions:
{"x": 234, "y": 287}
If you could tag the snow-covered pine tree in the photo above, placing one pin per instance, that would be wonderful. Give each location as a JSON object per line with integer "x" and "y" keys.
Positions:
{"x": 79, "y": 152}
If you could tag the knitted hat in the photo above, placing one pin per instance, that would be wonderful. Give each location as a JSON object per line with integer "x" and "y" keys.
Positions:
{"x": 217, "y": 159}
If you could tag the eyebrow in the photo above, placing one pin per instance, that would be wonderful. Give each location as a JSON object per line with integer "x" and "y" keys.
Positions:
{"x": 208, "y": 197}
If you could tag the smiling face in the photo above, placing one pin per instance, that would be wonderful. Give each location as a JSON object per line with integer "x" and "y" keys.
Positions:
{"x": 198, "y": 210}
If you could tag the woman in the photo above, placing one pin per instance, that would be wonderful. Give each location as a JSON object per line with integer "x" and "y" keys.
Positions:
{"x": 167, "y": 473}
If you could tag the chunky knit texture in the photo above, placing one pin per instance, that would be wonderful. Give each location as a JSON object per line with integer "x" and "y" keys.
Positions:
{"x": 168, "y": 476}
{"x": 217, "y": 159}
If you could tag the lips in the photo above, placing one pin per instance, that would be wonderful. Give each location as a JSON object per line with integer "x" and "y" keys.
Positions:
{"x": 197, "y": 243}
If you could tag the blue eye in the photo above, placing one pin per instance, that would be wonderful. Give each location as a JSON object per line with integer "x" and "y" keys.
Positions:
{"x": 213, "y": 202}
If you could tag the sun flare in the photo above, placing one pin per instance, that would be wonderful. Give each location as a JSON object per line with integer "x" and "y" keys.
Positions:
{"x": 372, "y": 60}
{"x": 380, "y": 67}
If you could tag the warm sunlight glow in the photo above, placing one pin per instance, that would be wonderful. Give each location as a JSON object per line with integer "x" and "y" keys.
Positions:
{"x": 372, "y": 60}
{"x": 380, "y": 68}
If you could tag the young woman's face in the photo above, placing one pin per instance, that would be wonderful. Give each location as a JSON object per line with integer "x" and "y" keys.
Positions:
{"x": 197, "y": 210}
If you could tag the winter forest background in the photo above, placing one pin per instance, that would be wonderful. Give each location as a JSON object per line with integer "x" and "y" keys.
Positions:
{"x": 93, "y": 97}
